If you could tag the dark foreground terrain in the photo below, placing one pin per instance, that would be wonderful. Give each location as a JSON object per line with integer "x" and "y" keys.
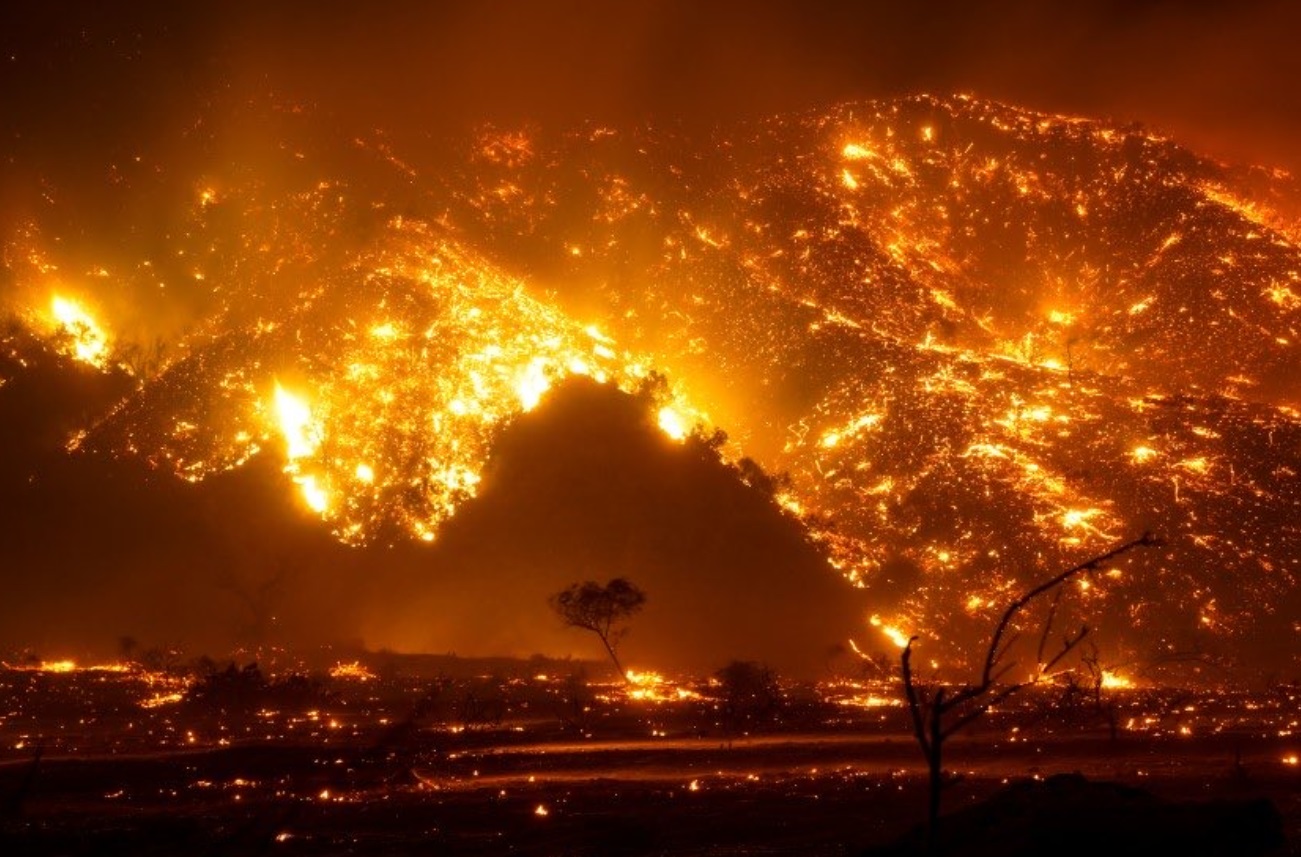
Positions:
{"x": 377, "y": 768}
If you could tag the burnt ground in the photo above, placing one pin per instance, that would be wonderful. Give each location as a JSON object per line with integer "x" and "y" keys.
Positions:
{"x": 133, "y": 762}
{"x": 501, "y": 792}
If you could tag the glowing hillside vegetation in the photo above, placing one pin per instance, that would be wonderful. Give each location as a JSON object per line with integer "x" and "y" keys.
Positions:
{"x": 975, "y": 337}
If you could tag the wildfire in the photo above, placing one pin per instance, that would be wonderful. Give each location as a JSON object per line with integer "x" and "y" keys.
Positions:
{"x": 919, "y": 312}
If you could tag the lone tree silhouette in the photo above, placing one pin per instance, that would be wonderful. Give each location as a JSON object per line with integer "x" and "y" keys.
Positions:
{"x": 603, "y": 610}
{"x": 938, "y": 712}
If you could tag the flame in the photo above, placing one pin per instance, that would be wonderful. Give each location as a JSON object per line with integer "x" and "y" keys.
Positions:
{"x": 654, "y": 687}
{"x": 1116, "y": 681}
{"x": 532, "y": 383}
{"x": 57, "y": 667}
{"x": 353, "y": 670}
{"x": 89, "y": 342}
{"x": 302, "y": 435}
{"x": 893, "y": 634}
{"x": 158, "y": 700}
{"x": 1142, "y": 454}
{"x": 70, "y": 666}
{"x": 671, "y": 423}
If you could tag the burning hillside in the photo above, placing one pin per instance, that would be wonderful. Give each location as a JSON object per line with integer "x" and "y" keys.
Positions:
{"x": 982, "y": 342}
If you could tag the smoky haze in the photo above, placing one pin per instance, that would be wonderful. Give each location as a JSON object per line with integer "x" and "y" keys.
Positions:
{"x": 149, "y": 96}
{"x": 1219, "y": 76}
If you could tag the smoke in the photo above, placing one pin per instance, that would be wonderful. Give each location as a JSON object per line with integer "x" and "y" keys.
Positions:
{"x": 117, "y": 114}
{"x": 1221, "y": 76}
{"x": 1224, "y": 72}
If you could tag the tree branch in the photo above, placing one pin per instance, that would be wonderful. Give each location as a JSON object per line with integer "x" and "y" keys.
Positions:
{"x": 914, "y": 704}
{"x": 1067, "y": 646}
{"x": 992, "y": 656}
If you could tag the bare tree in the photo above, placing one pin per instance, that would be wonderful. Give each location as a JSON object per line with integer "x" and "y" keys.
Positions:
{"x": 1103, "y": 704}
{"x": 938, "y": 713}
{"x": 603, "y": 610}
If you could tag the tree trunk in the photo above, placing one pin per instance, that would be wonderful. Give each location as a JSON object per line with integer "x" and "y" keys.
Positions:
{"x": 933, "y": 809}
{"x": 935, "y": 762}
{"x": 618, "y": 666}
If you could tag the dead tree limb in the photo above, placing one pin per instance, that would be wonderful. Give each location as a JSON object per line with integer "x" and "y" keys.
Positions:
{"x": 938, "y": 714}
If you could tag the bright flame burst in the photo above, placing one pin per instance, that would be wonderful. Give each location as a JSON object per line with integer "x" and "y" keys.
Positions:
{"x": 893, "y": 634}
{"x": 1116, "y": 681}
{"x": 302, "y": 437}
{"x": 88, "y": 342}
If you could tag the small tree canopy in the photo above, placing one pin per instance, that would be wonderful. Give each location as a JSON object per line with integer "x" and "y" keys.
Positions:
{"x": 600, "y": 609}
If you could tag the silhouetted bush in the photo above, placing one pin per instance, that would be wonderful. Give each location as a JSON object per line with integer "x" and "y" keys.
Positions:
{"x": 750, "y": 697}
{"x": 245, "y": 689}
